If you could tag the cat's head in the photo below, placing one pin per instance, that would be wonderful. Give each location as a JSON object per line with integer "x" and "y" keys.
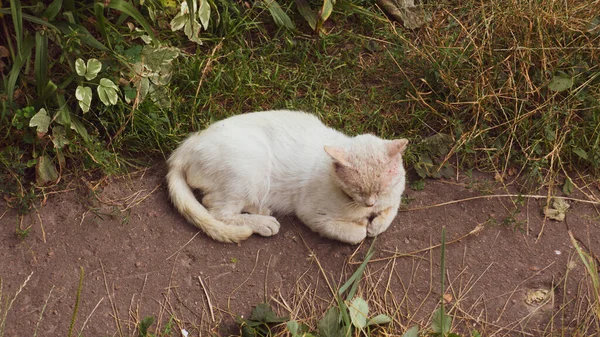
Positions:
{"x": 368, "y": 167}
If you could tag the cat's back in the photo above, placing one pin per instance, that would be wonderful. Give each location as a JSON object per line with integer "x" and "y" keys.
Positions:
{"x": 270, "y": 121}
{"x": 279, "y": 128}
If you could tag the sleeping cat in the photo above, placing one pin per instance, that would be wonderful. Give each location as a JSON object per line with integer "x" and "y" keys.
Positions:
{"x": 250, "y": 165}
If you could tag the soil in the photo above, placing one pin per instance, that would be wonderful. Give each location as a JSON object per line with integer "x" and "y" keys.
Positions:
{"x": 141, "y": 258}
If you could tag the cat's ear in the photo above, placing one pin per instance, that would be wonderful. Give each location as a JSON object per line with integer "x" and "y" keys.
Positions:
{"x": 396, "y": 147}
{"x": 337, "y": 154}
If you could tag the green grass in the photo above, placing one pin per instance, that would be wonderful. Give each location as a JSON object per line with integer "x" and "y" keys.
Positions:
{"x": 480, "y": 73}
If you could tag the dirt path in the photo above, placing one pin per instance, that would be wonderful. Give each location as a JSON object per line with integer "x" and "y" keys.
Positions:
{"x": 141, "y": 258}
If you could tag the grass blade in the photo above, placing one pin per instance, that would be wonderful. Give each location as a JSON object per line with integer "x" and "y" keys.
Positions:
{"x": 355, "y": 278}
{"x": 41, "y": 61}
{"x": 31, "y": 19}
{"x": 101, "y": 21}
{"x": 127, "y": 8}
{"x": 77, "y": 299}
{"x": 592, "y": 269}
{"x": 17, "y": 16}
{"x": 443, "y": 277}
{"x": 84, "y": 35}
{"x": 21, "y": 59}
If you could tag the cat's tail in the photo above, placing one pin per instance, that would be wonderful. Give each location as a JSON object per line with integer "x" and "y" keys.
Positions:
{"x": 186, "y": 203}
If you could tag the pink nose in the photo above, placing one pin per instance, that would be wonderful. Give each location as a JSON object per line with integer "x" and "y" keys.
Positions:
{"x": 370, "y": 202}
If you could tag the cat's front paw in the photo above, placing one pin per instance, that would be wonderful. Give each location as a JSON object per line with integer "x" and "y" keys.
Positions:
{"x": 379, "y": 224}
{"x": 265, "y": 225}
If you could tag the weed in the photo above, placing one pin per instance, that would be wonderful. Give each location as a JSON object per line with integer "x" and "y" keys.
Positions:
{"x": 258, "y": 324}
{"x": 512, "y": 222}
{"x": 472, "y": 85}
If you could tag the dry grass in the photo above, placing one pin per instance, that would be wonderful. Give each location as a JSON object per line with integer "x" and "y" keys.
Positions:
{"x": 480, "y": 72}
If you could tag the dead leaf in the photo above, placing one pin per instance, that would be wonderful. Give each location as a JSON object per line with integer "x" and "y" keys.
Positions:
{"x": 537, "y": 297}
{"x": 45, "y": 171}
{"x": 4, "y": 52}
{"x": 405, "y": 11}
{"x": 558, "y": 211}
{"x": 448, "y": 298}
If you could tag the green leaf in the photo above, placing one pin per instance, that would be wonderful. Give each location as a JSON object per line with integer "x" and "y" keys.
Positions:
{"x": 308, "y": 15}
{"x": 93, "y": 68}
{"x": 560, "y": 82}
{"x": 279, "y": 16}
{"x": 298, "y": 330}
{"x": 204, "y": 13}
{"x": 326, "y": 10}
{"x": 107, "y": 91}
{"x": 155, "y": 58}
{"x": 40, "y": 121}
{"x": 48, "y": 90}
{"x": 359, "y": 312}
{"x": 379, "y": 319}
{"x": 62, "y": 115}
{"x": 412, "y": 332}
{"x": 78, "y": 127}
{"x": 133, "y": 54}
{"x": 581, "y": 153}
{"x": 80, "y": 67}
{"x": 293, "y": 327}
{"x": 59, "y": 136}
{"x": 329, "y": 325}
{"x": 441, "y": 322}
{"x": 45, "y": 170}
{"x": 568, "y": 186}
{"x": 447, "y": 171}
{"x": 84, "y": 96}
{"x": 52, "y": 10}
{"x": 145, "y": 325}
{"x": 129, "y": 94}
{"x": 89, "y": 71}
{"x": 263, "y": 313}
{"x": 475, "y": 333}
{"x": 417, "y": 185}
{"x": 179, "y": 21}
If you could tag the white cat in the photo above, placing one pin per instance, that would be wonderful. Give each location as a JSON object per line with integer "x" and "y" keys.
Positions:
{"x": 250, "y": 165}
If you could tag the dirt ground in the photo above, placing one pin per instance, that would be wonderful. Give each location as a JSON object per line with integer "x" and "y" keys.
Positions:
{"x": 141, "y": 258}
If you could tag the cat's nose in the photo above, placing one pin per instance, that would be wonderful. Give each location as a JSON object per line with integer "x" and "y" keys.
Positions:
{"x": 370, "y": 201}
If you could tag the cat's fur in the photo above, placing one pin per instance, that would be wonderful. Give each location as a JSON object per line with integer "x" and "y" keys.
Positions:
{"x": 250, "y": 165}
